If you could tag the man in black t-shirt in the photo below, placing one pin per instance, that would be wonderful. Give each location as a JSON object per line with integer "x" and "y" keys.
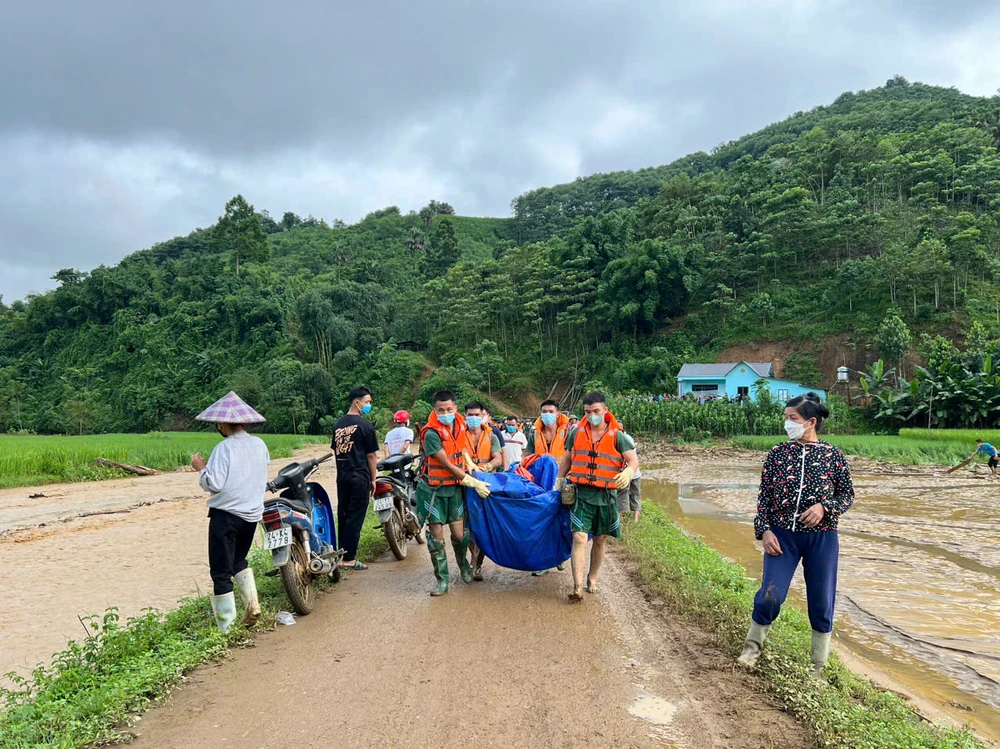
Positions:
{"x": 355, "y": 445}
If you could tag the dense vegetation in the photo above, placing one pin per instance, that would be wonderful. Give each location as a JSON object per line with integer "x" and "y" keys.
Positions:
{"x": 812, "y": 227}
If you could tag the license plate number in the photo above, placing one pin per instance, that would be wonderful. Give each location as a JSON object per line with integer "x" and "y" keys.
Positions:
{"x": 383, "y": 503}
{"x": 277, "y": 539}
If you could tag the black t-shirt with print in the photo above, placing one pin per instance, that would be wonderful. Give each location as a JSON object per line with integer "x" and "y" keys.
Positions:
{"x": 354, "y": 439}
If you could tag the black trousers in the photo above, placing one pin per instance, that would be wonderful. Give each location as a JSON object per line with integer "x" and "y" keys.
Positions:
{"x": 229, "y": 541}
{"x": 352, "y": 505}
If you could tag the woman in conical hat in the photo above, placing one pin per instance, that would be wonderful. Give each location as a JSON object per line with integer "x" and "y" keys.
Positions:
{"x": 236, "y": 476}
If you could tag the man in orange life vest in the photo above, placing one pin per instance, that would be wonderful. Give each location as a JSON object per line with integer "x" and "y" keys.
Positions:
{"x": 549, "y": 438}
{"x": 600, "y": 460}
{"x": 483, "y": 448}
{"x": 439, "y": 492}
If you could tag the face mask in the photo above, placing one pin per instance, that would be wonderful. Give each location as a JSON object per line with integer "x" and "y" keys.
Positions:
{"x": 595, "y": 419}
{"x": 366, "y": 409}
{"x": 794, "y": 430}
{"x": 474, "y": 422}
{"x": 548, "y": 419}
{"x": 447, "y": 419}
{"x": 511, "y": 429}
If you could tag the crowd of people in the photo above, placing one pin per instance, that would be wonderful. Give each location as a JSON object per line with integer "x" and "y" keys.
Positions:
{"x": 805, "y": 487}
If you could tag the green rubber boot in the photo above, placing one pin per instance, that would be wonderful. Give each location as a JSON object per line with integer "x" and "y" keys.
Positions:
{"x": 440, "y": 561}
{"x": 462, "y": 556}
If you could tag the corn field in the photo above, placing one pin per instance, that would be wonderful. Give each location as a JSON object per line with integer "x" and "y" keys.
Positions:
{"x": 681, "y": 418}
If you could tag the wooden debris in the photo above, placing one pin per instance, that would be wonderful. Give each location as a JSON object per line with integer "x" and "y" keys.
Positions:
{"x": 135, "y": 470}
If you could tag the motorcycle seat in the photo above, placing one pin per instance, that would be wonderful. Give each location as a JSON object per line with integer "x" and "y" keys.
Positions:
{"x": 290, "y": 502}
{"x": 396, "y": 462}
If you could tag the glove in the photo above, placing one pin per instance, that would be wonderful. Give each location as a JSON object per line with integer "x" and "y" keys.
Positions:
{"x": 559, "y": 483}
{"x": 470, "y": 464}
{"x": 623, "y": 479}
{"x": 481, "y": 487}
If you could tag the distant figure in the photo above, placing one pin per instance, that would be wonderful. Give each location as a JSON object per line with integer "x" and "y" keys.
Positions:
{"x": 398, "y": 439}
{"x": 514, "y": 441}
{"x": 990, "y": 452}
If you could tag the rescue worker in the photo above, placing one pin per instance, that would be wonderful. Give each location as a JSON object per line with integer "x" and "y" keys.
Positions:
{"x": 236, "y": 476}
{"x": 572, "y": 424}
{"x": 549, "y": 438}
{"x": 549, "y": 435}
{"x": 483, "y": 448}
{"x": 439, "y": 492}
{"x": 600, "y": 461}
{"x": 497, "y": 432}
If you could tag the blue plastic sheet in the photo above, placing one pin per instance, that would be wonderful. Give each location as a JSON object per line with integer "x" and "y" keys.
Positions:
{"x": 520, "y": 525}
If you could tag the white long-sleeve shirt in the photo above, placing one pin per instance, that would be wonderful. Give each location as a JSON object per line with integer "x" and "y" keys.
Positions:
{"x": 236, "y": 475}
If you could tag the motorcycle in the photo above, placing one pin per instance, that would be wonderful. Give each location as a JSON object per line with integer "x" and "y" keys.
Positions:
{"x": 299, "y": 532}
{"x": 396, "y": 503}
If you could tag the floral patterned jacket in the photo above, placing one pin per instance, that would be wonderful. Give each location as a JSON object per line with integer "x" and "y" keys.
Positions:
{"x": 796, "y": 476}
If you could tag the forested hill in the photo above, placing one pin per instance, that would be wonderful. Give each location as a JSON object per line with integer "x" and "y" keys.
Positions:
{"x": 811, "y": 228}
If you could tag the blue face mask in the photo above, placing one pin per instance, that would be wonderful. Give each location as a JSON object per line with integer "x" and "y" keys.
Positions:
{"x": 474, "y": 422}
{"x": 511, "y": 428}
{"x": 548, "y": 419}
{"x": 595, "y": 419}
{"x": 446, "y": 419}
{"x": 367, "y": 409}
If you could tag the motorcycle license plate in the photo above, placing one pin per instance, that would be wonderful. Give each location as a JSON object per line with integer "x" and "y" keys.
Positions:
{"x": 277, "y": 539}
{"x": 383, "y": 503}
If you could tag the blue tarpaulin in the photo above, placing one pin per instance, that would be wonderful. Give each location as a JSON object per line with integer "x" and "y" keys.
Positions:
{"x": 521, "y": 525}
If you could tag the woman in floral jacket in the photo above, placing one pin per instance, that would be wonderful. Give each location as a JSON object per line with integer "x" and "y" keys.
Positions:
{"x": 804, "y": 489}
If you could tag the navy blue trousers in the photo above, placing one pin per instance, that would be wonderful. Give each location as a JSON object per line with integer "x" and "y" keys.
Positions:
{"x": 819, "y": 553}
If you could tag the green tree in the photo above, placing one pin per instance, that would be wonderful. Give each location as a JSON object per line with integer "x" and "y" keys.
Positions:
{"x": 442, "y": 252}
{"x": 239, "y": 233}
{"x": 893, "y": 339}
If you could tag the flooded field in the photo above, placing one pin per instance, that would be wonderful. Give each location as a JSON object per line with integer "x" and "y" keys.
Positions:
{"x": 918, "y": 605}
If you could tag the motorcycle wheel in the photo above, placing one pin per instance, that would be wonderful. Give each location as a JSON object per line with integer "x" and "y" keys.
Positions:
{"x": 419, "y": 537}
{"x": 395, "y": 534}
{"x": 298, "y": 580}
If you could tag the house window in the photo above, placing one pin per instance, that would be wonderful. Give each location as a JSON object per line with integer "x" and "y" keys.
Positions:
{"x": 783, "y": 395}
{"x": 702, "y": 388}
{"x": 743, "y": 392}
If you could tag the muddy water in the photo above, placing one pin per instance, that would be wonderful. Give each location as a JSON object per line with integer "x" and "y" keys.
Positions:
{"x": 919, "y": 593}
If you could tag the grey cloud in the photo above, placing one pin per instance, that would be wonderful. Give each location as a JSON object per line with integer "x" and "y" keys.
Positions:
{"x": 124, "y": 123}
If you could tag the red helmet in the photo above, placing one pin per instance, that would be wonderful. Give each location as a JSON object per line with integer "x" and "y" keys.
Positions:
{"x": 401, "y": 417}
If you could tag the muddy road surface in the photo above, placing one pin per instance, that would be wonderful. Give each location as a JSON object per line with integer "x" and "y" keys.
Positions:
{"x": 80, "y": 548}
{"x": 918, "y": 606}
{"x": 506, "y": 662}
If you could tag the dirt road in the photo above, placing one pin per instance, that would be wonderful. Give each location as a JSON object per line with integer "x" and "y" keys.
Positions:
{"x": 80, "y": 548}
{"x": 506, "y": 662}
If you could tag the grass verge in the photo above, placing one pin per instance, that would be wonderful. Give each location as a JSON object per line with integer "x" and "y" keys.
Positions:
{"x": 92, "y": 689}
{"x": 700, "y": 583}
{"x": 910, "y": 447}
{"x": 34, "y": 460}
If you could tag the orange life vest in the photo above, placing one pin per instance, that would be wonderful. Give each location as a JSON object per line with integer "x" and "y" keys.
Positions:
{"x": 452, "y": 440}
{"x": 481, "y": 452}
{"x": 558, "y": 447}
{"x": 596, "y": 464}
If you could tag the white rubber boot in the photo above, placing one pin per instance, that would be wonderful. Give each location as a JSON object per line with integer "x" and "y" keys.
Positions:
{"x": 224, "y": 608}
{"x": 248, "y": 592}
{"x": 820, "y": 653}
{"x": 754, "y": 645}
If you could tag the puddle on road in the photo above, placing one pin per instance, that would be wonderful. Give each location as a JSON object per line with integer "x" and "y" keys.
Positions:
{"x": 919, "y": 582}
{"x": 660, "y": 714}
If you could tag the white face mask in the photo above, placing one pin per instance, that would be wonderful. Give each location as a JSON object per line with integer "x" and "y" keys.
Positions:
{"x": 794, "y": 429}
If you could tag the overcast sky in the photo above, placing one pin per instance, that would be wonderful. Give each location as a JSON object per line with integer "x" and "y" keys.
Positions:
{"x": 124, "y": 123}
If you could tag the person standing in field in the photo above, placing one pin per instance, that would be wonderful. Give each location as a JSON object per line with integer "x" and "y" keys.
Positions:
{"x": 805, "y": 487}
{"x": 985, "y": 448}
{"x": 439, "y": 492}
{"x": 600, "y": 461}
{"x": 355, "y": 445}
{"x": 398, "y": 439}
{"x": 514, "y": 441}
{"x": 235, "y": 474}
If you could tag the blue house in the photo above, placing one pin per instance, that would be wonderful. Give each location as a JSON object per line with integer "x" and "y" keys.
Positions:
{"x": 733, "y": 380}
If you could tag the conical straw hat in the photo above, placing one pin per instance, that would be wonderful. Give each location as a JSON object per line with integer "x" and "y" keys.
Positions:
{"x": 230, "y": 409}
